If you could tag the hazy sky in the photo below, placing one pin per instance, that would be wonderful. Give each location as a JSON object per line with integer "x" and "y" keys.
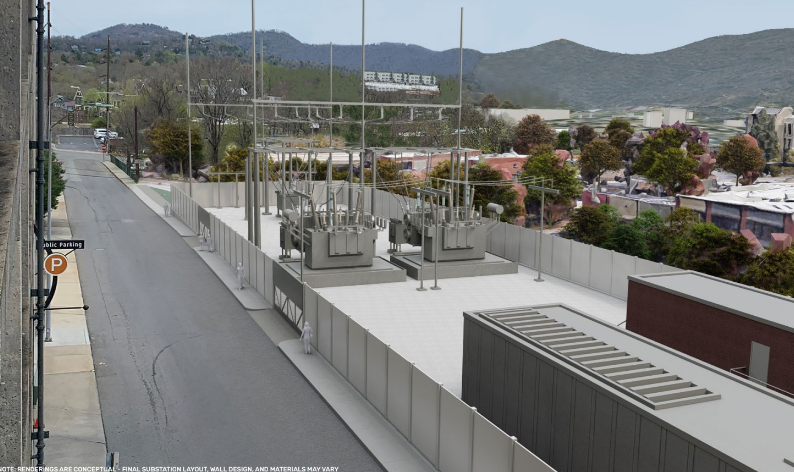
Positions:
{"x": 490, "y": 26}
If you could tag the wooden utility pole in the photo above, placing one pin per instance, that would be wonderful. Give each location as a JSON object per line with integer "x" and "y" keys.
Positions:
{"x": 107, "y": 98}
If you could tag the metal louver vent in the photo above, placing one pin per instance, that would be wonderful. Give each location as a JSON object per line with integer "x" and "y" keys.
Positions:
{"x": 653, "y": 386}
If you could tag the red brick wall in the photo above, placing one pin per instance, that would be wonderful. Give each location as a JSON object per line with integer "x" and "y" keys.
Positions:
{"x": 712, "y": 335}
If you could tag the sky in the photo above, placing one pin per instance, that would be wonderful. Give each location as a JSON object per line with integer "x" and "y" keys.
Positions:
{"x": 625, "y": 26}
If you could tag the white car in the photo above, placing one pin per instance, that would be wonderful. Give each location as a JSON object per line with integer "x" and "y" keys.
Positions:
{"x": 100, "y": 133}
{"x": 113, "y": 135}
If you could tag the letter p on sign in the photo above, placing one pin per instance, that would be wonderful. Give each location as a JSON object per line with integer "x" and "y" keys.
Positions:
{"x": 55, "y": 264}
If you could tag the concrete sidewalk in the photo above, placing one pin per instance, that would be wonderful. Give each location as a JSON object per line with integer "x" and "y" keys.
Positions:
{"x": 71, "y": 402}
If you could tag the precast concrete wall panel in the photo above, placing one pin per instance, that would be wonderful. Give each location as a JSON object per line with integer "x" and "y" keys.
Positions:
{"x": 526, "y": 254}
{"x": 456, "y": 433}
{"x": 339, "y": 341}
{"x": 601, "y": 269}
{"x": 398, "y": 404}
{"x": 547, "y": 251}
{"x": 310, "y": 301}
{"x": 324, "y": 313}
{"x": 648, "y": 267}
{"x": 357, "y": 356}
{"x": 561, "y": 258}
{"x": 269, "y": 287}
{"x": 250, "y": 269}
{"x": 512, "y": 242}
{"x": 525, "y": 461}
{"x": 497, "y": 236}
{"x": 424, "y": 414}
{"x": 260, "y": 273}
{"x": 376, "y": 372}
{"x": 580, "y": 263}
{"x": 492, "y": 447}
{"x": 622, "y": 267}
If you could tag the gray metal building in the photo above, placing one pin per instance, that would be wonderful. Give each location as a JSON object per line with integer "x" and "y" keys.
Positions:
{"x": 585, "y": 395}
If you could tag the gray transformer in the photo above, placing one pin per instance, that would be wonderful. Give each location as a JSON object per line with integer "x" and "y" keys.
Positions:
{"x": 461, "y": 241}
{"x": 352, "y": 247}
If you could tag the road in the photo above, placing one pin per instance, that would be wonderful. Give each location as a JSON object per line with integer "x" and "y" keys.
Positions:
{"x": 185, "y": 376}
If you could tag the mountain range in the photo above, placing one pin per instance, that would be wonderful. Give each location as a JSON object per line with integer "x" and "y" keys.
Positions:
{"x": 720, "y": 77}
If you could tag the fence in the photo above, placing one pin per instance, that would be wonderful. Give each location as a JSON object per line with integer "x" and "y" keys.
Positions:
{"x": 452, "y": 435}
{"x": 583, "y": 264}
{"x": 130, "y": 171}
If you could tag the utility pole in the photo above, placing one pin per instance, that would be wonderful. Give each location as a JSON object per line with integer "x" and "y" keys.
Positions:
{"x": 189, "y": 123}
{"x": 48, "y": 335}
{"x": 41, "y": 291}
{"x": 331, "y": 99}
{"x": 107, "y": 99}
{"x": 137, "y": 165}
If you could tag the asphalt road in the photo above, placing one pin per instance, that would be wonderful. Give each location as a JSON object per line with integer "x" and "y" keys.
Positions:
{"x": 185, "y": 376}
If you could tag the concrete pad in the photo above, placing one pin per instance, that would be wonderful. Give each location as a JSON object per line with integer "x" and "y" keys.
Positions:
{"x": 386, "y": 444}
{"x": 71, "y": 452}
{"x": 72, "y": 392}
{"x": 68, "y": 364}
{"x": 248, "y": 297}
{"x": 76, "y": 350}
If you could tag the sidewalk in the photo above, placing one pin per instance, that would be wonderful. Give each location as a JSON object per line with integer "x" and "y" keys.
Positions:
{"x": 389, "y": 448}
{"x": 71, "y": 402}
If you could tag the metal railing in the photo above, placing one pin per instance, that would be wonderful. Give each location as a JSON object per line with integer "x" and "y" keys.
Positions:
{"x": 736, "y": 370}
{"x": 131, "y": 171}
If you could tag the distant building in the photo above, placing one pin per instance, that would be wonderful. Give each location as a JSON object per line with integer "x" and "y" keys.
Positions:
{"x": 547, "y": 114}
{"x": 762, "y": 208}
{"x": 400, "y": 82}
{"x": 652, "y": 119}
{"x": 784, "y": 125}
{"x": 674, "y": 115}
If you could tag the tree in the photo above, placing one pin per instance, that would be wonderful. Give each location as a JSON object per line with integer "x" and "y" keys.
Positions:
{"x": 627, "y": 238}
{"x": 504, "y": 195}
{"x": 169, "y": 140}
{"x": 533, "y": 131}
{"x": 507, "y": 105}
{"x": 99, "y": 122}
{"x": 543, "y": 163}
{"x": 773, "y": 272}
{"x": 672, "y": 169}
{"x": 739, "y": 155}
{"x": 651, "y": 224}
{"x": 589, "y": 225}
{"x": 619, "y": 138}
{"x": 564, "y": 140}
{"x": 584, "y": 135}
{"x": 598, "y": 157}
{"x": 668, "y": 157}
{"x": 218, "y": 82}
{"x": 618, "y": 124}
{"x": 489, "y": 101}
{"x": 763, "y": 130}
{"x": 58, "y": 183}
{"x": 392, "y": 178}
{"x": 706, "y": 248}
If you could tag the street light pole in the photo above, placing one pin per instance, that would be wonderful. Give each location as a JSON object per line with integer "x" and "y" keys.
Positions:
{"x": 189, "y": 123}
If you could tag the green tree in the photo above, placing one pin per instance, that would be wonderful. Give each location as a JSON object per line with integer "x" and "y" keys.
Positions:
{"x": 627, "y": 238}
{"x": 99, "y": 122}
{"x": 584, "y": 135}
{"x": 507, "y": 105}
{"x": 618, "y": 139}
{"x": 619, "y": 124}
{"x": 543, "y": 163}
{"x": 672, "y": 169}
{"x": 489, "y": 101}
{"x": 532, "y": 131}
{"x": 763, "y": 130}
{"x": 739, "y": 155}
{"x": 598, "y": 157}
{"x": 773, "y": 272}
{"x": 58, "y": 183}
{"x": 392, "y": 178}
{"x": 590, "y": 225}
{"x": 564, "y": 140}
{"x": 706, "y": 248}
{"x": 169, "y": 140}
{"x": 651, "y": 224}
{"x": 504, "y": 194}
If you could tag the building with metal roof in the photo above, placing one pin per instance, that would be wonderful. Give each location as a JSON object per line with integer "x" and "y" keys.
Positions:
{"x": 583, "y": 394}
